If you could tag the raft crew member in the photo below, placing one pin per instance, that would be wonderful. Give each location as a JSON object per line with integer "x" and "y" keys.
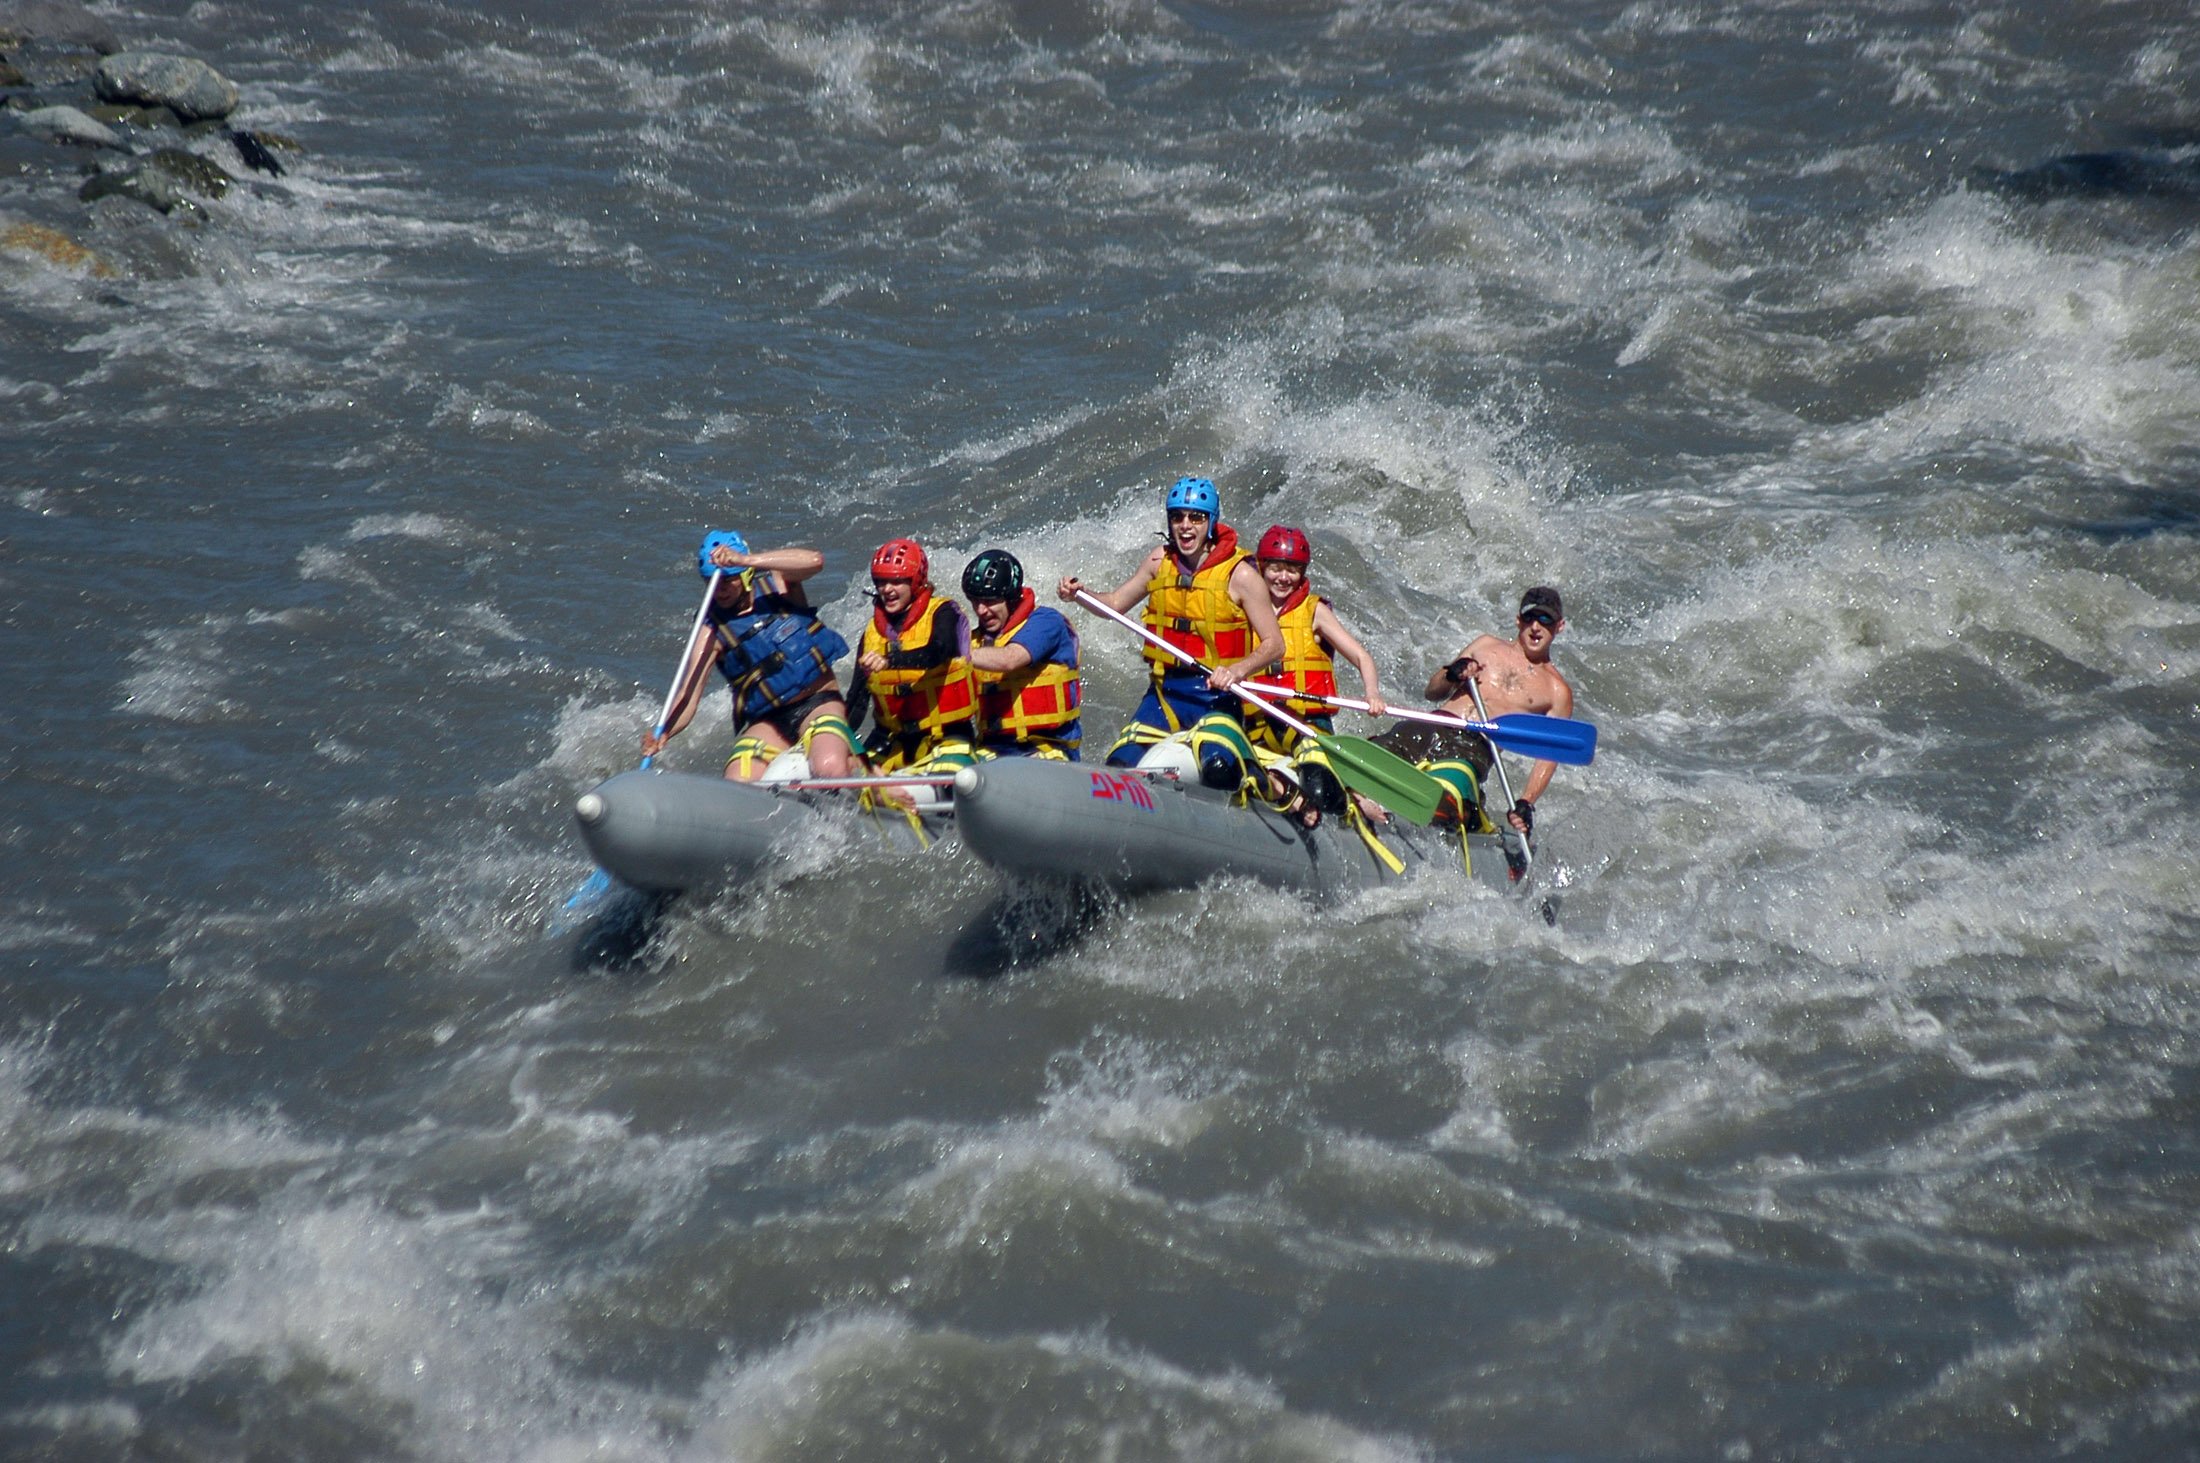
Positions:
{"x": 776, "y": 656}
{"x": 913, "y": 668}
{"x": 1313, "y": 637}
{"x": 1025, "y": 657}
{"x": 1515, "y": 675}
{"x": 1203, "y": 595}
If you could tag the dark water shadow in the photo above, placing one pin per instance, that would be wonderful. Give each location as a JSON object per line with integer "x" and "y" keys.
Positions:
{"x": 1027, "y": 924}
{"x": 2171, "y": 174}
{"x": 620, "y": 939}
{"x": 2168, "y": 512}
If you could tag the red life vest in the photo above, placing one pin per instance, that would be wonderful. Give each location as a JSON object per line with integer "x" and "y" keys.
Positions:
{"x": 1028, "y": 703}
{"x": 920, "y": 701}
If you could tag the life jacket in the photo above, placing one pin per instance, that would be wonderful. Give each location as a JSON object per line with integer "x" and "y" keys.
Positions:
{"x": 1032, "y": 702}
{"x": 1194, "y": 612}
{"x": 773, "y": 653}
{"x": 1307, "y": 669}
{"x": 918, "y": 701}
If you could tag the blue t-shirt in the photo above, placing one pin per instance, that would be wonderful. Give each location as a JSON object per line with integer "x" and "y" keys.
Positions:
{"x": 1049, "y": 638}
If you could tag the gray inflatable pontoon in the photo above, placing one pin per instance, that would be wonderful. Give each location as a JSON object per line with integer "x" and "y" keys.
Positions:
{"x": 1136, "y": 831}
{"x": 670, "y": 831}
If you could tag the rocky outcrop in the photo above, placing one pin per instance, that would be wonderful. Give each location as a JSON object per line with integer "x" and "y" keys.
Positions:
{"x": 106, "y": 122}
{"x": 193, "y": 90}
{"x": 55, "y": 22}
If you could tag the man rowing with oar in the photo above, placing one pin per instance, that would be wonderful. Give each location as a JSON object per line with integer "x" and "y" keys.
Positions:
{"x": 1512, "y": 675}
{"x": 1203, "y": 596}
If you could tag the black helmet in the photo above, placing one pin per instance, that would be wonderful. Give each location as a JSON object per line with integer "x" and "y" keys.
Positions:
{"x": 994, "y": 574}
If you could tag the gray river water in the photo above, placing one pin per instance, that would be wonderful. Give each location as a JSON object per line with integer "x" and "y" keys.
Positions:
{"x": 1851, "y": 1107}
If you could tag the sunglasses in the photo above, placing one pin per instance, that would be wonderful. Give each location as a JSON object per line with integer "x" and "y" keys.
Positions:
{"x": 1544, "y": 618}
{"x": 1186, "y": 515}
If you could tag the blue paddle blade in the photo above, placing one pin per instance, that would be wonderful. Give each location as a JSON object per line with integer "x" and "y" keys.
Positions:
{"x": 1545, "y": 738}
{"x": 596, "y": 887}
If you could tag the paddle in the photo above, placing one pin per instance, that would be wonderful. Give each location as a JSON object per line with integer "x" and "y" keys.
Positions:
{"x": 598, "y": 884}
{"x": 1545, "y": 738}
{"x": 1497, "y": 760}
{"x": 841, "y": 784}
{"x": 1359, "y": 764}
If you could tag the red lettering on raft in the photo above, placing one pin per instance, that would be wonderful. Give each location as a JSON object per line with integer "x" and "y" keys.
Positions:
{"x": 1122, "y": 787}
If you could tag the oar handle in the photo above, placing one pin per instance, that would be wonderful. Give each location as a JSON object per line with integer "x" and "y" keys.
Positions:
{"x": 1243, "y": 692}
{"x": 702, "y": 611}
{"x": 1497, "y": 760}
{"x": 1433, "y": 718}
{"x": 599, "y": 882}
{"x": 837, "y": 784}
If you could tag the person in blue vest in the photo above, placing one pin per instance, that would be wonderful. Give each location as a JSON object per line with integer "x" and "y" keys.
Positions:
{"x": 777, "y": 658}
{"x": 1025, "y": 655}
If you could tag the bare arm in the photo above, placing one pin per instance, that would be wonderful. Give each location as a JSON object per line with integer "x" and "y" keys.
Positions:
{"x": 1539, "y": 776}
{"x": 1250, "y": 593}
{"x": 1444, "y": 684}
{"x": 694, "y": 680}
{"x": 1124, "y": 597}
{"x": 998, "y": 658}
{"x": 1344, "y": 643}
{"x": 791, "y": 565}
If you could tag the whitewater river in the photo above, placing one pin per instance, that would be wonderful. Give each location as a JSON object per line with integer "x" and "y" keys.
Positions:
{"x": 1849, "y": 1110}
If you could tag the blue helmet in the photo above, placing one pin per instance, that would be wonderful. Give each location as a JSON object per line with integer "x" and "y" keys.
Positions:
{"x": 711, "y": 541}
{"x": 1197, "y": 494}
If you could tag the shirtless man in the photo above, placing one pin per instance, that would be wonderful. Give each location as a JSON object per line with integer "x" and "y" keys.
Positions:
{"x": 1514, "y": 675}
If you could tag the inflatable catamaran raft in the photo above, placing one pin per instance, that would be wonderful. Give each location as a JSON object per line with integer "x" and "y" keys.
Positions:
{"x": 1136, "y": 831}
{"x": 1131, "y": 831}
{"x": 667, "y": 832}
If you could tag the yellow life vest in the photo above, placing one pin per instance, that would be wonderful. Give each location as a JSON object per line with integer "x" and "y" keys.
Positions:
{"x": 1307, "y": 669}
{"x": 1034, "y": 700}
{"x": 918, "y": 701}
{"x": 1194, "y": 611}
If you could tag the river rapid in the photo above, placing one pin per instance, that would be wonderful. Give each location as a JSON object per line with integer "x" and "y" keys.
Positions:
{"x": 1849, "y": 1109}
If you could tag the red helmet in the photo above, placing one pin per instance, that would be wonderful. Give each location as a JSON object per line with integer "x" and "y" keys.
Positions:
{"x": 1287, "y": 544}
{"x": 900, "y": 558}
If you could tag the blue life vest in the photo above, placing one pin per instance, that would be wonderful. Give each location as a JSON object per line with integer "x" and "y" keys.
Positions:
{"x": 773, "y": 654}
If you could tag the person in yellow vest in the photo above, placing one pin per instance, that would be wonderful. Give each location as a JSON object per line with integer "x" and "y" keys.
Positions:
{"x": 1313, "y": 637}
{"x": 1025, "y": 656}
{"x": 913, "y": 669}
{"x": 1203, "y": 595}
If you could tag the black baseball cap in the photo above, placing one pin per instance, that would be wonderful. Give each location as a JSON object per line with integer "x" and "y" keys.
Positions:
{"x": 1543, "y": 597}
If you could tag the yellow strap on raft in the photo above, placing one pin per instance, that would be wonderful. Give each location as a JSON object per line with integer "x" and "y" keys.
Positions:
{"x": 750, "y": 756}
{"x": 880, "y": 805}
{"x": 1358, "y": 823}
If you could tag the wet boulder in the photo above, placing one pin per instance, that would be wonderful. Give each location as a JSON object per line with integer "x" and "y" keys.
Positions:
{"x": 29, "y": 240}
{"x": 154, "y": 187}
{"x": 193, "y": 90}
{"x": 67, "y": 124}
{"x": 191, "y": 172}
{"x": 55, "y": 22}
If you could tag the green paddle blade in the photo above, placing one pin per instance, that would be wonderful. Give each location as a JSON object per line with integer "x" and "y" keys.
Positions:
{"x": 1384, "y": 776}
